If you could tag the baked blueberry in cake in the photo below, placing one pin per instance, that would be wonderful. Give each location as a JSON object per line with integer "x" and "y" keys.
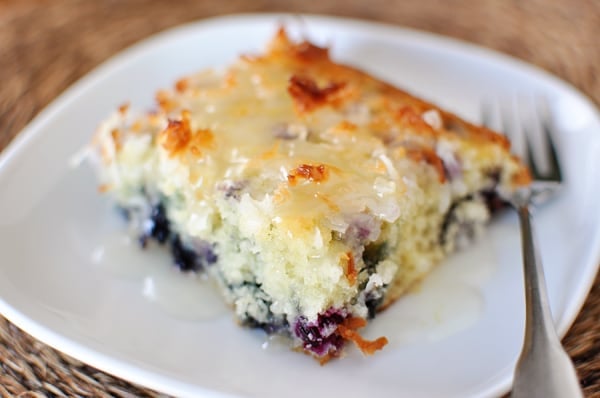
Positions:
{"x": 314, "y": 194}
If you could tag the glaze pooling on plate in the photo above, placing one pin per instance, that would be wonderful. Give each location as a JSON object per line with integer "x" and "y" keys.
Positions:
{"x": 184, "y": 296}
{"x": 50, "y": 287}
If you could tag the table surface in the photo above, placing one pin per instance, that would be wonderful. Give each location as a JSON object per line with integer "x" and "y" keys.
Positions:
{"x": 45, "y": 46}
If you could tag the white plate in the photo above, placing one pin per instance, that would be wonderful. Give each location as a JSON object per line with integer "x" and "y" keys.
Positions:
{"x": 51, "y": 218}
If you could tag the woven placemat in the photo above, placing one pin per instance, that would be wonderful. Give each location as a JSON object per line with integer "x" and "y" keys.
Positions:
{"x": 46, "y": 45}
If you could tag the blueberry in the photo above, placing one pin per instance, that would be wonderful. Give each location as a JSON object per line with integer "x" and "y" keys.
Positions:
{"x": 192, "y": 259}
{"x": 233, "y": 189}
{"x": 373, "y": 302}
{"x": 159, "y": 224}
{"x": 184, "y": 258}
{"x": 321, "y": 337}
{"x": 494, "y": 201}
{"x": 204, "y": 250}
{"x": 362, "y": 229}
{"x": 491, "y": 196}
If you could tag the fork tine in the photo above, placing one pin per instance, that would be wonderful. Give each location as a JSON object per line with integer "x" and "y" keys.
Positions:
{"x": 536, "y": 139}
{"x": 485, "y": 113}
{"x": 543, "y": 159}
{"x": 512, "y": 126}
{"x": 532, "y": 164}
{"x": 525, "y": 121}
{"x": 529, "y": 129}
{"x": 554, "y": 173}
{"x": 490, "y": 115}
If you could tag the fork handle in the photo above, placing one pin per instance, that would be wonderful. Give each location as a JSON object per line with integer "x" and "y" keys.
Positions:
{"x": 544, "y": 369}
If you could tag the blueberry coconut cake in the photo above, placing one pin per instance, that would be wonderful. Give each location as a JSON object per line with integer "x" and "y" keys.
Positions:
{"x": 312, "y": 193}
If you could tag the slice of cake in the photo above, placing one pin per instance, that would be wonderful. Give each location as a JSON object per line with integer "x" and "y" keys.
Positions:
{"x": 313, "y": 194}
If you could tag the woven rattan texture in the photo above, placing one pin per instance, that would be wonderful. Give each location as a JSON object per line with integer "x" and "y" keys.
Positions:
{"x": 47, "y": 45}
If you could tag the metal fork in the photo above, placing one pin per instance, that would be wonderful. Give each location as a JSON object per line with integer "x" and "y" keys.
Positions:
{"x": 544, "y": 369}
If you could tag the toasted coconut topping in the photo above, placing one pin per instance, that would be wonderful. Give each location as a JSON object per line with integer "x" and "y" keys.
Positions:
{"x": 308, "y": 95}
{"x": 429, "y": 156}
{"x": 176, "y": 136}
{"x": 164, "y": 101}
{"x": 123, "y": 108}
{"x": 351, "y": 271}
{"x": 304, "y": 51}
{"x": 117, "y": 137}
{"x": 202, "y": 139}
{"x": 318, "y": 173}
{"x": 308, "y": 52}
{"x": 182, "y": 85}
{"x": 348, "y": 331}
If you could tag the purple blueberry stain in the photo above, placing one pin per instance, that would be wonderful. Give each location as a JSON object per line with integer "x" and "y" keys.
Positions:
{"x": 193, "y": 257}
{"x": 362, "y": 229}
{"x": 494, "y": 201}
{"x": 184, "y": 259}
{"x": 321, "y": 337}
{"x": 492, "y": 198}
{"x": 452, "y": 165}
{"x": 205, "y": 250}
{"x": 452, "y": 169}
{"x": 466, "y": 228}
{"x": 158, "y": 224}
{"x": 233, "y": 189}
{"x": 194, "y": 260}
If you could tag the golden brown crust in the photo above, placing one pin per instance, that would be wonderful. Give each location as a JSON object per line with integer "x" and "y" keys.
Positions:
{"x": 308, "y": 95}
{"x": 309, "y": 172}
{"x": 428, "y": 155}
{"x": 310, "y": 64}
{"x": 176, "y": 136}
{"x": 306, "y": 82}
